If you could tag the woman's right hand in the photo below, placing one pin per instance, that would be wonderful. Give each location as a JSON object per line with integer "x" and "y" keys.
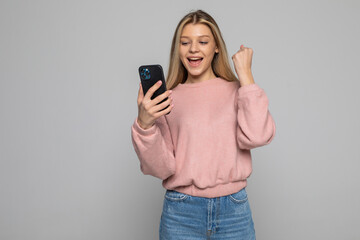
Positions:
{"x": 148, "y": 110}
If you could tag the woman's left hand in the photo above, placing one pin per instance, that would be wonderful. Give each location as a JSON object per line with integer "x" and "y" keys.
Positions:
{"x": 242, "y": 63}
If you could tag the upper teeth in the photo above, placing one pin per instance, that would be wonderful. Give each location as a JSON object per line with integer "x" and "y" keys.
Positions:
{"x": 194, "y": 58}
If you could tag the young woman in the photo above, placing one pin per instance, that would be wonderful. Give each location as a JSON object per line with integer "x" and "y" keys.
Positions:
{"x": 201, "y": 149}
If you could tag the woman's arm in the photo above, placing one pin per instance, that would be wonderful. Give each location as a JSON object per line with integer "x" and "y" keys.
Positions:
{"x": 256, "y": 126}
{"x": 154, "y": 148}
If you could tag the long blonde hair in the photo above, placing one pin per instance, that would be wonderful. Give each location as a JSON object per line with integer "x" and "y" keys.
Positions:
{"x": 177, "y": 73}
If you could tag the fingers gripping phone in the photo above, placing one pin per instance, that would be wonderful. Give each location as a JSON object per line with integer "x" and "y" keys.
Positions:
{"x": 149, "y": 75}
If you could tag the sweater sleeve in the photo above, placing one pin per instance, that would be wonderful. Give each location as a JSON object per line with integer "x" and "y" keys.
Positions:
{"x": 256, "y": 126}
{"x": 154, "y": 148}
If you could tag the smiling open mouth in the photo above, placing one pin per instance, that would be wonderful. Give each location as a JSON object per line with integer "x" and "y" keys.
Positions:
{"x": 194, "y": 62}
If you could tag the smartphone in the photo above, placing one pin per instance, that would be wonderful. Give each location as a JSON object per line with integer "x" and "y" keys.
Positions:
{"x": 149, "y": 75}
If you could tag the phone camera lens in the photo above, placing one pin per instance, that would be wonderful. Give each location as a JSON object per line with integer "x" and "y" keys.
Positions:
{"x": 145, "y": 73}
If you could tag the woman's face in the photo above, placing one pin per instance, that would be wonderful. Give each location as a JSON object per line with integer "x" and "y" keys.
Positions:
{"x": 197, "y": 49}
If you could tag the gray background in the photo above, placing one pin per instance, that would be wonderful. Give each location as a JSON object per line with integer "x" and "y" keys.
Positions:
{"x": 68, "y": 93}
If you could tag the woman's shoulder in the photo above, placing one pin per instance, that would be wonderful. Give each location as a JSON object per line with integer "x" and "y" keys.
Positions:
{"x": 231, "y": 82}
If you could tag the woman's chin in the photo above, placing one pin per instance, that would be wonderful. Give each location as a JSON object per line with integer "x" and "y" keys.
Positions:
{"x": 194, "y": 73}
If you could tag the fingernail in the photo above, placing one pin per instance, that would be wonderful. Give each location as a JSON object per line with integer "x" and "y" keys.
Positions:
{"x": 170, "y": 91}
{"x": 159, "y": 82}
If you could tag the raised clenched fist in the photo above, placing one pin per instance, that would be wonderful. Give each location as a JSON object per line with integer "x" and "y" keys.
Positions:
{"x": 242, "y": 63}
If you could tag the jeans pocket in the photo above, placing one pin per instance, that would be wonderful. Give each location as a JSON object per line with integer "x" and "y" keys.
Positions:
{"x": 173, "y": 195}
{"x": 239, "y": 197}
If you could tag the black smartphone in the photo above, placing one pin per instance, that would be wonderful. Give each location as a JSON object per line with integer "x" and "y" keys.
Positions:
{"x": 149, "y": 75}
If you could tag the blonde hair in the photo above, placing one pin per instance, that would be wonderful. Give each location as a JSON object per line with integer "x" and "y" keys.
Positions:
{"x": 177, "y": 73}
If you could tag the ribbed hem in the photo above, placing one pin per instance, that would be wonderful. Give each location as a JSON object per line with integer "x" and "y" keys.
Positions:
{"x": 217, "y": 191}
{"x": 142, "y": 131}
{"x": 248, "y": 88}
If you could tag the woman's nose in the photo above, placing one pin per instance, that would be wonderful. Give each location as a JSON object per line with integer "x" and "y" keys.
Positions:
{"x": 193, "y": 47}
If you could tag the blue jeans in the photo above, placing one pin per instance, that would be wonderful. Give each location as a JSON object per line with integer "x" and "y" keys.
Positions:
{"x": 189, "y": 217}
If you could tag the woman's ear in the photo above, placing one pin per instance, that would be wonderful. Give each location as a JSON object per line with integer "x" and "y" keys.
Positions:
{"x": 216, "y": 50}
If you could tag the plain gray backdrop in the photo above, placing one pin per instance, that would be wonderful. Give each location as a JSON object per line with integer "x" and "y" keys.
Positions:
{"x": 68, "y": 92}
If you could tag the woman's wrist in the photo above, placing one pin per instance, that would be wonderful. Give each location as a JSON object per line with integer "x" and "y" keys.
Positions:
{"x": 142, "y": 125}
{"x": 246, "y": 78}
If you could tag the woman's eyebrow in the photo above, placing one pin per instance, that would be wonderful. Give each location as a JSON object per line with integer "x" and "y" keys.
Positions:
{"x": 198, "y": 36}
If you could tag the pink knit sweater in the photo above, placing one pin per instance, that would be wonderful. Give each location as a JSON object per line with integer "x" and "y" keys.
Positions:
{"x": 202, "y": 147}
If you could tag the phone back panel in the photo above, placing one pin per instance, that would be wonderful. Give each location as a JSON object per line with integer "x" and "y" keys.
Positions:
{"x": 149, "y": 75}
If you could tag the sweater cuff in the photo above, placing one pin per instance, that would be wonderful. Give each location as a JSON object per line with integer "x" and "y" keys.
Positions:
{"x": 248, "y": 88}
{"x": 143, "y": 131}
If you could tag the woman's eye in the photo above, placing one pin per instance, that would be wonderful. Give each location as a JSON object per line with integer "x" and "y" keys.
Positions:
{"x": 185, "y": 43}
